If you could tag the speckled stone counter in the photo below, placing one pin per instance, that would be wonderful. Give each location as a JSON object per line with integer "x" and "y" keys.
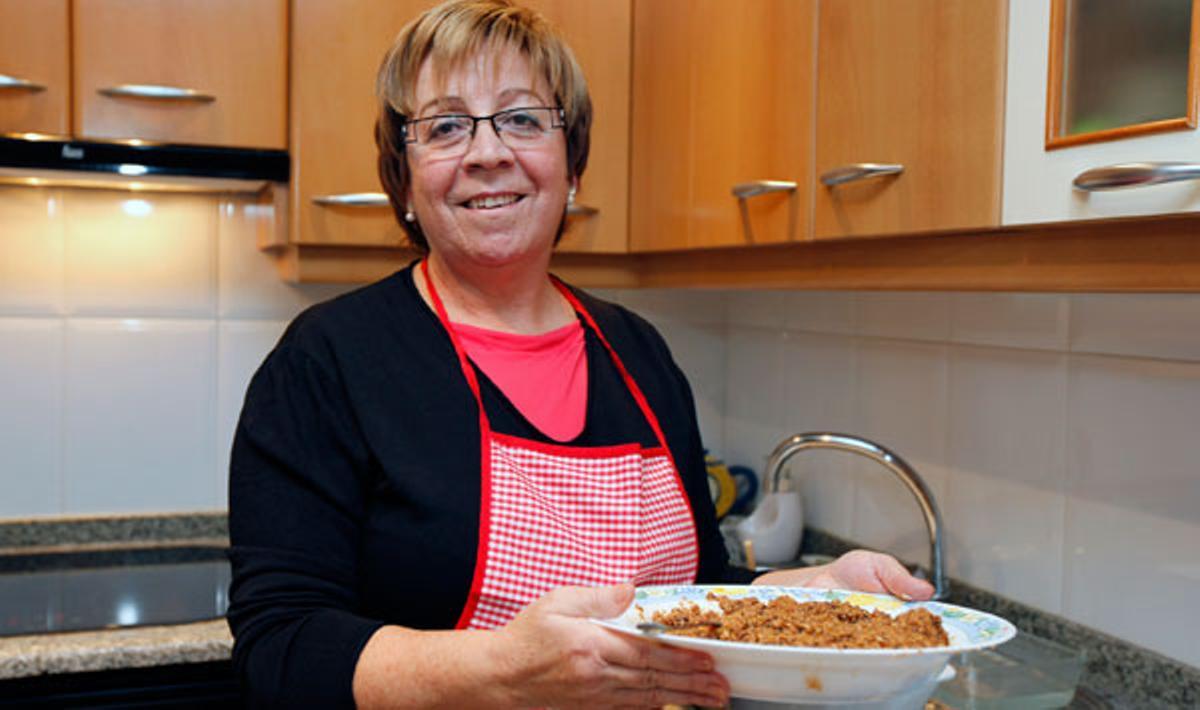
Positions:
{"x": 1124, "y": 676}
{"x": 134, "y": 647}
{"x": 100, "y": 529}
{"x": 40, "y": 654}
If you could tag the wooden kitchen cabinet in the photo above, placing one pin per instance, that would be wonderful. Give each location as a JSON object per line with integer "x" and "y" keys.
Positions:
{"x": 232, "y": 53}
{"x": 722, "y": 96}
{"x": 35, "y": 81}
{"x": 1039, "y": 178}
{"x": 336, "y": 52}
{"x": 917, "y": 84}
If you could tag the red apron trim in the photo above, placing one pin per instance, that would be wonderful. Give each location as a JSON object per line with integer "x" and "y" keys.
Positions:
{"x": 485, "y": 464}
{"x": 574, "y": 451}
{"x": 634, "y": 390}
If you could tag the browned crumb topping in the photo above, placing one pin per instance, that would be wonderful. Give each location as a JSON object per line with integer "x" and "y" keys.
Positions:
{"x": 786, "y": 622}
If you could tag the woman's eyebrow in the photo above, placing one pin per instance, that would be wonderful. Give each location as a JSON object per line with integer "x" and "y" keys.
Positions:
{"x": 509, "y": 94}
{"x": 443, "y": 103}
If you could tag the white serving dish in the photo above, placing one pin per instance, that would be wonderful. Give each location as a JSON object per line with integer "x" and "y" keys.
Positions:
{"x": 845, "y": 678}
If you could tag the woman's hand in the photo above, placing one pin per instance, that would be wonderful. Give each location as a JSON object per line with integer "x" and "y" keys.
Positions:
{"x": 860, "y": 570}
{"x": 553, "y": 656}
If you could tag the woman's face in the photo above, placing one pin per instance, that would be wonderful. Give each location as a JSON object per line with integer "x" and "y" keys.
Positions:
{"x": 491, "y": 205}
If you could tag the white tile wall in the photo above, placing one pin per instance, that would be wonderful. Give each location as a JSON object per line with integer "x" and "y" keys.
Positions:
{"x": 900, "y": 402}
{"x": 140, "y": 254}
{"x": 1148, "y": 325}
{"x": 129, "y": 326}
{"x": 31, "y": 251}
{"x": 1057, "y": 432}
{"x": 1006, "y": 444}
{"x": 1013, "y": 320}
{"x": 241, "y": 347}
{"x": 139, "y": 415}
{"x": 30, "y": 430}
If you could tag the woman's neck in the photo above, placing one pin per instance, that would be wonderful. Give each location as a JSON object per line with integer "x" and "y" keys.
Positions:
{"x": 511, "y": 300}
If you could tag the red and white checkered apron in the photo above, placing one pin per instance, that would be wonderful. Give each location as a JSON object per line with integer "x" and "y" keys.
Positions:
{"x": 552, "y": 515}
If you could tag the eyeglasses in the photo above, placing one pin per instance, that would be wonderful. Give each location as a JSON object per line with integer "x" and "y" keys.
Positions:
{"x": 450, "y": 134}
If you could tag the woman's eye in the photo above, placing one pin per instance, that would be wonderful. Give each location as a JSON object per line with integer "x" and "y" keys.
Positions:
{"x": 442, "y": 128}
{"x": 523, "y": 120}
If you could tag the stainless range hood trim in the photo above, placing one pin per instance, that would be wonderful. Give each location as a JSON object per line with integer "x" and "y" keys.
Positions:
{"x": 41, "y": 177}
{"x": 142, "y": 159}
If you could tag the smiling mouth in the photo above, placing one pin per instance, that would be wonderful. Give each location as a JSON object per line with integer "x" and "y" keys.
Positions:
{"x": 491, "y": 202}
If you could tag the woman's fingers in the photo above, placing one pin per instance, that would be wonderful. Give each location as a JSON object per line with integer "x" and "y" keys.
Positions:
{"x": 898, "y": 582}
{"x": 649, "y": 687}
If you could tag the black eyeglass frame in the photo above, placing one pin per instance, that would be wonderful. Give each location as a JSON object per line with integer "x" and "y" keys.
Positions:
{"x": 558, "y": 119}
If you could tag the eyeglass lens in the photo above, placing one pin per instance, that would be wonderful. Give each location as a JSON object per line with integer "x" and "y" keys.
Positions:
{"x": 516, "y": 127}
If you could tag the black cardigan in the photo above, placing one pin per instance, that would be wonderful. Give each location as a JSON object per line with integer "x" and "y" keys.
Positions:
{"x": 354, "y": 480}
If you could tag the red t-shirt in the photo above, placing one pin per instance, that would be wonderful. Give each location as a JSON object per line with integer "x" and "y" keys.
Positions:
{"x": 544, "y": 375}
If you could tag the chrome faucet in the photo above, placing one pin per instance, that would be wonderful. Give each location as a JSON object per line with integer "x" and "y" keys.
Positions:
{"x": 844, "y": 442}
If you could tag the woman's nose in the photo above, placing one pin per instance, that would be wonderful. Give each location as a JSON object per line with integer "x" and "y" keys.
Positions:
{"x": 486, "y": 148}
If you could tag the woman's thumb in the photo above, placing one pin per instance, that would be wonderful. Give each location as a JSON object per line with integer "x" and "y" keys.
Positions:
{"x": 596, "y": 602}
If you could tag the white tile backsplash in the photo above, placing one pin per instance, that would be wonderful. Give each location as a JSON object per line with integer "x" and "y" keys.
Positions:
{"x": 1004, "y": 502}
{"x": 1012, "y": 320}
{"x": 699, "y": 350}
{"x": 900, "y": 403}
{"x": 1147, "y": 325}
{"x": 140, "y": 254}
{"x": 140, "y": 415}
{"x": 31, "y": 375}
{"x": 1134, "y": 574}
{"x": 31, "y": 251}
{"x": 248, "y": 284}
{"x": 755, "y": 413}
{"x": 911, "y": 316}
{"x": 241, "y": 348}
{"x": 1132, "y": 430}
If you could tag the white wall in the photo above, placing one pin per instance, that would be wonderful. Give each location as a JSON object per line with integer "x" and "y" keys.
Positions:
{"x": 130, "y": 324}
{"x": 1058, "y": 433}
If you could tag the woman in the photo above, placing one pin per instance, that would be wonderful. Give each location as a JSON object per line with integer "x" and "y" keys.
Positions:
{"x": 439, "y": 478}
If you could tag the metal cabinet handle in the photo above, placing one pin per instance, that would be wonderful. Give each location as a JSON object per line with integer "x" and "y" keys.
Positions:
{"x": 762, "y": 187}
{"x": 16, "y": 82}
{"x": 1121, "y": 175}
{"x": 154, "y": 91}
{"x": 352, "y": 199}
{"x": 859, "y": 171}
{"x": 577, "y": 210}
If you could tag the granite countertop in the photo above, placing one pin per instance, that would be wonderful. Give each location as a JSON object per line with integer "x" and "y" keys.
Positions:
{"x": 140, "y": 647}
{"x": 127, "y": 647}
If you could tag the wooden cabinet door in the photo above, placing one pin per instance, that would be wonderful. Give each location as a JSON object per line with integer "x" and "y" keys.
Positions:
{"x": 1038, "y": 183}
{"x": 599, "y": 33}
{"x": 233, "y": 51}
{"x": 35, "y": 77}
{"x": 336, "y": 52}
{"x": 920, "y": 84}
{"x": 722, "y": 96}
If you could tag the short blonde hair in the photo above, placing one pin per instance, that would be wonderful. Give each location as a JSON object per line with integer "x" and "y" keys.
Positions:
{"x": 449, "y": 35}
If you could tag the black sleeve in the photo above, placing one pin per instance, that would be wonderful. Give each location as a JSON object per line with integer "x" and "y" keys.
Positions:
{"x": 297, "y": 493}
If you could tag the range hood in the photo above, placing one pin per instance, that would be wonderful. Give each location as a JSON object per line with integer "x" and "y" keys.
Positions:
{"x": 36, "y": 159}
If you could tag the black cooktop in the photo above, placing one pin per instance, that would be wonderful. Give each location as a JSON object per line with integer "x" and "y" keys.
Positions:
{"x": 77, "y": 590}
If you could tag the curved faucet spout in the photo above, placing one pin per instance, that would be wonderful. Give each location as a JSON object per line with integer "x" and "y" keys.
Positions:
{"x": 844, "y": 442}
